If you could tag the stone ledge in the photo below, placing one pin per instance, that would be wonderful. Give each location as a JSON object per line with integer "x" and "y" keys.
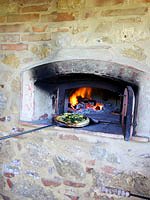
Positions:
{"x": 82, "y": 135}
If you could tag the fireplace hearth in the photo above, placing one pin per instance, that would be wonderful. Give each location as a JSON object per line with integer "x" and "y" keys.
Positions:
{"x": 110, "y": 102}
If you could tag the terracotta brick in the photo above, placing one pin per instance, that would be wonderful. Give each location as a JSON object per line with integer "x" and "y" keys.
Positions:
{"x": 64, "y": 17}
{"x": 9, "y": 183}
{"x": 68, "y": 137}
{"x": 2, "y": 19}
{"x": 39, "y": 29}
{"x": 36, "y": 37}
{"x": 23, "y": 18}
{"x": 8, "y": 175}
{"x": 57, "y": 17}
{"x": 74, "y": 184}
{"x": 109, "y": 169}
{"x": 50, "y": 183}
{"x": 13, "y": 28}
{"x": 16, "y": 47}
{"x": 9, "y": 38}
{"x": 124, "y": 12}
{"x": 36, "y": 8}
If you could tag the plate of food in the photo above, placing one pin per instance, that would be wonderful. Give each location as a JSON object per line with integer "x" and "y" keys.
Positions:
{"x": 72, "y": 120}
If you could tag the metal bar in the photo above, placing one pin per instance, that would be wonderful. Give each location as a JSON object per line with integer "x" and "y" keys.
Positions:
{"x": 140, "y": 196}
{"x": 24, "y": 132}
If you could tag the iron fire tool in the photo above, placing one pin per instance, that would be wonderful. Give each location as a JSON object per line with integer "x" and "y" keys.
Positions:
{"x": 120, "y": 192}
{"x": 24, "y": 132}
{"x": 33, "y": 130}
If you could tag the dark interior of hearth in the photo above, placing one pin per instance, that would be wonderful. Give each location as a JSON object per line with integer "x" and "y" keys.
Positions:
{"x": 102, "y": 100}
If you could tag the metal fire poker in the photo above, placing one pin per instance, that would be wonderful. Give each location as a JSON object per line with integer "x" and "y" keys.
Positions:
{"x": 24, "y": 132}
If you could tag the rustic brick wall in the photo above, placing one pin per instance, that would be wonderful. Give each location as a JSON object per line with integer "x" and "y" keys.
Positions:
{"x": 61, "y": 164}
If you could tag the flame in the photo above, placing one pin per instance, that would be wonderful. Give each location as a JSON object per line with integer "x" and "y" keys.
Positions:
{"x": 83, "y": 92}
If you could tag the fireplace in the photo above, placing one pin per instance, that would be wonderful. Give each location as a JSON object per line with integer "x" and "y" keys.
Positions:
{"x": 110, "y": 102}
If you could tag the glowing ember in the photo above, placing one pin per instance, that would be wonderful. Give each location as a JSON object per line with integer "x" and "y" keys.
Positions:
{"x": 82, "y": 96}
{"x": 98, "y": 106}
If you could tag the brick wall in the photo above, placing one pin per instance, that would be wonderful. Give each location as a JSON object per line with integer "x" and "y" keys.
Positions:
{"x": 64, "y": 164}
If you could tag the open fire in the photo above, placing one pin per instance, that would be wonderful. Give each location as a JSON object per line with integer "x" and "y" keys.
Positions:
{"x": 82, "y": 98}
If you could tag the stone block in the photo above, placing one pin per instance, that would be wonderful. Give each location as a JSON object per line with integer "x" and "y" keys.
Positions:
{"x": 125, "y": 12}
{"x": 9, "y": 8}
{"x": 134, "y": 52}
{"x": 35, "y": 8}
{"x": 3, "y": 103}
{"x": 36, "y": 37}
{"x": 23, "y": 18}
{"x": 100, "y": 153}
{"x": 11, "y": 60}
{"x": 41, "y": 51}
{"x": 131, "y": 20}
{"x": 104, "y": 27}
{"x": 3, "y": 1}
{"x": 32, "y": 190}
{"x": 68, "y": 168}
{"x": 68, "y": 137}
{"x": 14, "y": 28}
{"x": 106, "y": 3}
{"x": 14, "y": 47}
{"x": 37, "y": 28}
{"x": 67, "y": 4}
{"x": 9, "y": 38}
{"x": 47, "y": 17}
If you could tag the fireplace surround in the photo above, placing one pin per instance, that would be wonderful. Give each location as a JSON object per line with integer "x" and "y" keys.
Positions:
{"x": 46, "y": 89}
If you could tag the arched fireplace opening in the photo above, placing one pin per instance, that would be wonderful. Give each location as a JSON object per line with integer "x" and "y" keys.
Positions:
{"x": 110, "y": 102}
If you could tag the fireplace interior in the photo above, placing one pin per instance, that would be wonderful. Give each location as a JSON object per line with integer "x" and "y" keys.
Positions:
{"x": 100, "y": 98}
